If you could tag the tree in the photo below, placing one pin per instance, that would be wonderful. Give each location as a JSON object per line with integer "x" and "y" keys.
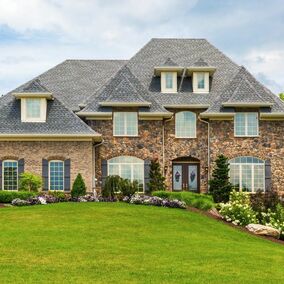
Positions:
{"x": 30, "y": 182}
{"x": 79, "y": 187}
{"x": 220, "y": 186}
{"x": 157, "y": 180}
{"x": 281, "y": 96}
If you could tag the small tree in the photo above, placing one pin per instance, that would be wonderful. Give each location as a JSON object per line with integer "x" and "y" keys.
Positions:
{"x": 79, "y": 187}
{"x": 157, "y": 180}
{"x": 281, "y": 96}
{"x": 30, "y": 182}
{"x": 220, "y": 186}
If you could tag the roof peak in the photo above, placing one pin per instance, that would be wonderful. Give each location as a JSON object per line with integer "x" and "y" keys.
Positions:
{"x": 35, "y": 87}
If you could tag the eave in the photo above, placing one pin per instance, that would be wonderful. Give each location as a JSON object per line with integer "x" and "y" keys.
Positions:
{"x": 241, "y": 104}
{"x": 191, "y": 69}
{"x": 218, "y": 116}
{"x": 272, "y": 116}
{"x": 192, "y": 106}
{"x": 159, "y": 70}
{"x": 50, "y": 137}
{"x": 125, "y": 104}
{"x": 33, "y": 95}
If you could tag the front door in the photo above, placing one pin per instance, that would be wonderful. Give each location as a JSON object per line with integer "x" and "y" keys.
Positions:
{"x": 186, "y": 177}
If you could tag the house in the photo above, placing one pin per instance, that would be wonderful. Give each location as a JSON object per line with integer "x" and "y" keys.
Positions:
{"x": 181, "y": 101}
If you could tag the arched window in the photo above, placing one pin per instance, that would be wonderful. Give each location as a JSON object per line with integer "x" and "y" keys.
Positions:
{"x": 247, "y": 174}
{"x": 56, "y": 175}
{"x": 10, "y": 175}
{"x": 185, "y": 124}
{"x": 127, "y": 167}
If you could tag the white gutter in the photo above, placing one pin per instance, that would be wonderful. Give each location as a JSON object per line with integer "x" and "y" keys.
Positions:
{"x": 194, "y": 106}
{"x": 126, "y": 104}
{"x": 240, "y": 104}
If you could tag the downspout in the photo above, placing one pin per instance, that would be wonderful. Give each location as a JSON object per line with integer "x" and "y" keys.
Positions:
{"x": 94, "y": 166}
{"x": 208, "y": 150}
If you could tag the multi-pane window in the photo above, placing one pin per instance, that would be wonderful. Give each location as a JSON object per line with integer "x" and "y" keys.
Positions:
{"x": 169, "y": 80}
{"x": 33, "y": 107}
{"x": 10, "y": 175}
{"x": 247, "y": 174}
{"x": 125, "y": 124}
{"x": 200, "y": 80}
{"x": 185, "y": 124}
{"x": 246, "y": 124}
{"x": 127, "y": 167}
{"x": 56, "y": 175}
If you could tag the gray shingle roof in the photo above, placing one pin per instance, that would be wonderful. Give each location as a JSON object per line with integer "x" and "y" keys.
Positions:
{"x": 74, "y": 81}
{"x": 35, "y": 87}
{"x": 169, "y": 62}
{"x": 200, "y": 63}
{"x": 123, "y": 87}
{"x": 245, "y": 88}
{"x": 60, "y": 120}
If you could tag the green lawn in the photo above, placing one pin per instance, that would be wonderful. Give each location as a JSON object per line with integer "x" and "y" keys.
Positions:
{"x": 122, "y": 243}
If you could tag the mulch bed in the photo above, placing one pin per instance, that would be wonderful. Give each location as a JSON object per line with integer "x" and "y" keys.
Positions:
{"x": 243, "y": 229}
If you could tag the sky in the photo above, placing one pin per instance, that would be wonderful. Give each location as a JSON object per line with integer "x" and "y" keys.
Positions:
{"x": 35, "y": 35}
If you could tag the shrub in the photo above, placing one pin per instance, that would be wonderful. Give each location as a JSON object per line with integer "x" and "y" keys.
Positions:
{"x": 196, "y": 200}
{"x": 220, "y": 187}
{"x": 30, "y": 182}
{"x": 128, "y": 188}
{"x": 59, "y": 195}
{"x": 238, "y": 210}
{"x": 274, "y": 218}
{"x": 8, "y": 196}
{"x": 111, "y": 186}
{"x": 157, "y": 180}
{"x": 79, "y": 187}
{"x": 115, "y": 185}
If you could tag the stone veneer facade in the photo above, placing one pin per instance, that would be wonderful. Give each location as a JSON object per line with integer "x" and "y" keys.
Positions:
{"x": 149, "y": 144}
{"x": 79, "y": 152}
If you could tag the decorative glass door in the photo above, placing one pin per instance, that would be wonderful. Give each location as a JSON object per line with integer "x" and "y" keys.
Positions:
{"x": 186, "y": 177}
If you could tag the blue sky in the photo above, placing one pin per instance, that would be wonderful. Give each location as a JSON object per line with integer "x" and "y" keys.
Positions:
{"x": 35, "y": 35}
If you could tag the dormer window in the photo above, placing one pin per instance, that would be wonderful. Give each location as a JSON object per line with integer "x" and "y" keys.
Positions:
{"x": 200, "y": 82}
{"x": 168, "y": 82}
{"x": 33, "y": 109}
{"x": 34, "y": 102}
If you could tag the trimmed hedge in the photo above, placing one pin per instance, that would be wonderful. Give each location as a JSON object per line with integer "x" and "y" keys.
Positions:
{"x": 196, "y": 200}
{"x": 8, "y": 196}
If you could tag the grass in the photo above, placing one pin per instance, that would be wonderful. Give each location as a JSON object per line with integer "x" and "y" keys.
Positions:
{"x": 200, "y": 201}
{"x": 123, "y": 243}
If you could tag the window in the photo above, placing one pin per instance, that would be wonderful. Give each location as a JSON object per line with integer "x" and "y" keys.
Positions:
{"x": 56, "y": 175}
{"x": 10, "y": 175}
{"x": 185, "y": 124}
{"x": 127, "y": 167}
{"x": 168, "y": 82}
{"x": 247, "y": 174}
{"x": 246, "y": 124}
{"x": 200, "y": 82}
{"x": 33, "y": 109}
{"x": 125, "y": 124}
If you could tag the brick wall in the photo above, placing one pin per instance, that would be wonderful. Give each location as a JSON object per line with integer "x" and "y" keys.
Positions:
{"x": 79, "y": 152}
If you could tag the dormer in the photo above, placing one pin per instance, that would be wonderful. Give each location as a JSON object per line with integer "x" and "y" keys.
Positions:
{"x": 200, "y": 73}
{"x": 168, "y": 72}
{"x": 33, "y": 102}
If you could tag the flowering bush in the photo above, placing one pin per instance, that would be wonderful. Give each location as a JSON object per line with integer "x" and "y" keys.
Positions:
{"x": 155, "y": 201}
{"x": 274, "y": 218}
{"x": 238, "y": 210}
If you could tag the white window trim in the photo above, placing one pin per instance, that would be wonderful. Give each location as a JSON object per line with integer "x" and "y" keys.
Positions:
{"x": 246, "y": 125}
{"x": 3, "y": 175}
{"x": 252, "y": 175}
{"x": 132, "y": 169}
{"x": 165, "y": 90}
{"x": 195, "y": 83}
{"x": 60, "y": 190}
{"x": 125, "y": 125}
{"x": 43, "y": 107}
{"x": 195, "y": 136}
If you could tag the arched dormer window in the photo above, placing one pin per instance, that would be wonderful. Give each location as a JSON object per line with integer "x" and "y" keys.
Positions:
{"x": 185, "y": 124}
{"x": 247, "y": 173}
